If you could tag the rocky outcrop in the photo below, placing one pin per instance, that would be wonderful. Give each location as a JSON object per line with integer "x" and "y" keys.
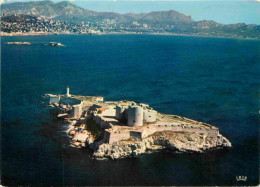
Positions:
{"x": 182, "y": 142}
{"x": 120, "y": 149}
{"x": 18, "y": 43}
{"x": 194, "y": 142}
{"x": 80, "y": 137}
{"x": 174, "y": 141}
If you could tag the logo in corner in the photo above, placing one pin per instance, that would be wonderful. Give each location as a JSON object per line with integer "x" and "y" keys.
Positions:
{"x": 241, "y": 178}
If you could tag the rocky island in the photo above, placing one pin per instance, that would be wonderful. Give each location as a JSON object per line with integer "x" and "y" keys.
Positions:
{"x": 18, "y": 43}
{"x": 55, "y": 44}
{"x": 118, "y": 129}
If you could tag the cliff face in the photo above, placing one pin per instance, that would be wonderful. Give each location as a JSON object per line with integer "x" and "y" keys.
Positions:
{"x": 175, "y": 141}
{"x": 182, "y": 142}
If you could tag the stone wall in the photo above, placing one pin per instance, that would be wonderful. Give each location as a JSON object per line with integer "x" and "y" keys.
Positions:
{"x": 100, "y": 99}
{"x": 136, "y": 135}
{"x": 178, "y": 128}
{"x": 112, "y": 134}
{"x": 119, "y": 135}
{"x": 101, "y": 122}
{"x": 77, "y": 111}
{"x": 150, "y": 116}
{"x": 54, "y": 99}
{"x": 70, "y": 101}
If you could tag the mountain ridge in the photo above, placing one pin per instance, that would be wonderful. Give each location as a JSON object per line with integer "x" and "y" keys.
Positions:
{"x": 81, "y": 20}
{"x": 64, "y": 9}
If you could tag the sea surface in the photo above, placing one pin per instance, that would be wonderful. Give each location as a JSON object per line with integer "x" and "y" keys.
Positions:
{"x": 212, "y": 80}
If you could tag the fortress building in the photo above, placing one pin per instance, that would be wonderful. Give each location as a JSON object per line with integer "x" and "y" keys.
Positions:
{"x": 124, "y": 125}
{"x": 135, "y": 115}
{"x": 118, "y": 129}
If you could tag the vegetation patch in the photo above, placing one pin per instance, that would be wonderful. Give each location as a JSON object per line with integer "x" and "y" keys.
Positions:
{"x": 92, "y": 127}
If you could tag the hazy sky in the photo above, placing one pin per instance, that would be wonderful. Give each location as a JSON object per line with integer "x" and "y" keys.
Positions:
{"x": 232, "y": 11}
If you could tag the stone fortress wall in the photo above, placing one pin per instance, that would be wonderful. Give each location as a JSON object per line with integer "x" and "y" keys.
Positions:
{"x": 125, "y": 120}
{"x": 117, "y": 136}
{"x": 54, "y": 99}
{"x": 60, "y": 99}
{"x": 114, "y": 132}
{"x": 114, "y": 136}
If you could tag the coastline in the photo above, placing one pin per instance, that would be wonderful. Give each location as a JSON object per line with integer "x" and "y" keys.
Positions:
{"x": 124, "y": 33}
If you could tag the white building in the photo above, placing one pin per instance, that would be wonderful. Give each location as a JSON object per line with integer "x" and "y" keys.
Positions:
{"x": 68, "y": 92}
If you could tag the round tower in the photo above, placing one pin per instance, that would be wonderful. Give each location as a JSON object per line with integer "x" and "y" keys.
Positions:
{"x": 135, "y": 116}
{"x": 120, "y": 112}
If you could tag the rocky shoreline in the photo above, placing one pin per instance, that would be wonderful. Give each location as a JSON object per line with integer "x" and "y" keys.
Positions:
{"x": 182, "y": 142}
{"x": 18, "y": 43}
{"x": 128, "y": 33}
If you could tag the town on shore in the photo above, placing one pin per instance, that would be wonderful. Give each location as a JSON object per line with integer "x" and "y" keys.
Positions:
{"x": 49, "y": 18}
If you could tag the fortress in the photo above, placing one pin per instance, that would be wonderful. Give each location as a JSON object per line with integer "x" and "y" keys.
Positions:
{"x": 124, "y": 120}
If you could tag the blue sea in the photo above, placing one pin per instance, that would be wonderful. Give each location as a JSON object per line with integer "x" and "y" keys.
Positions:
{"x": 213, "y": 80}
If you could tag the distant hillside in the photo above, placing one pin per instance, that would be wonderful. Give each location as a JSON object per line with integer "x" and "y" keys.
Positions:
{"x": 167, "y": 17}
{"x": 79, "y": 20}
{"x": 42, "y": 8}
{"x": 68, "y": 12}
